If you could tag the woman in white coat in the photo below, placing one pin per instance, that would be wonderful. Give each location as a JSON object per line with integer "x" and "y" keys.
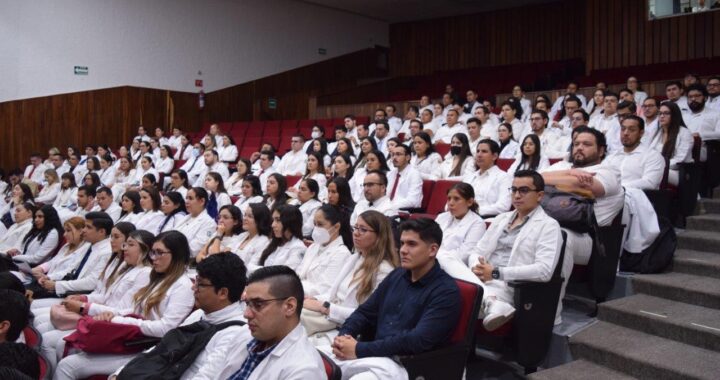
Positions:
{"x": 217, "y": 195}
{"x": 256, "y": 222}
{"x": 227, "y": 152}
{"x": 374, "y": 259}
{"x": 326, "y": 256}
{"x": 51, "y": 189}
{"x": 43, "y": 238}
{"x": 673, "y": 139}
{"x": 508, "y": 146}
{"x": 164, "y": 303}
{"x": 461, "y": 225}
{"x": 173, "y": 208}
{"x": 107, "y": 171}
{"x": 307, "y": 201}
{"x": 67, "y": 197}
{"x": 286, "y": 246}
{"x": 229, "y": 229}
{"x": 130, "y": 205}
{"x": 531, "y": 156}
{"x": 123, "y": 177}
{"x": 198, "y": 227}
{"x": 251, "y": 192}
{"x": 425, "y": 159}
{"x": 460, "y": 160}
{"x": 151, "y": 216}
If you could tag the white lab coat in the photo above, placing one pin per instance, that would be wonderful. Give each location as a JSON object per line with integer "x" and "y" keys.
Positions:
{"x": 107, "y": 176}
{"x": 149, "y": 221}
{"x": 491, "y": 190}
{"x": 228, "y": 153}
{"x": 14, "y": 235}
{"x": 119, "y": 296}
{"x": 445, "y": 133}
{"x": 408, "y": 193}
{"x": 174, "y": 220}
{"x": 321, "y": 266}
{"x": 641, "y": 221}
{"x": 308, "y": 213}
{"x": 48, "y": 194}
{"x": 468, "y": 166}
{"x": 252, "y": 249}
{"x": 294, "y": 358}
{"x": 429, "y": 167}
{"x": 383, "y": 205}
{"x": 65, "y": 198}
{"x": 460, "y": 235}
{"x": 289, "y": 254}
{"x": 218, "y": 167}
{"x": 64, "y": 261}
{"x": 88, "y": 277}
{"x": 293, "y": 163}
{"x": 510, "y": 150}
{"x": 198, "y": 230}
{"x": 643, "y": 168}
{"x": 242, "y": 202}
{"x": 35, "y": 251}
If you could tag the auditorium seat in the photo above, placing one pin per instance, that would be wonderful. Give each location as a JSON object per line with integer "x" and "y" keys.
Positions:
{"x": 255, "y": 129}
{"x": 438, "y": 196}
{"x": 442, "y": 149}
{"x": 504, "y": 163}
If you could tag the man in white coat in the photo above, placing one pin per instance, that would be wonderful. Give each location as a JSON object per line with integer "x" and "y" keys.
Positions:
{"x": 294, "y": 161}
{"x": 523, "y": 244}
{"x": 404, "y": 181}
{"x": 375, "y": 198}
{"x": 280, "y": 348}
{"x": 640, "y": 167}
{"x": 212, "y": 164}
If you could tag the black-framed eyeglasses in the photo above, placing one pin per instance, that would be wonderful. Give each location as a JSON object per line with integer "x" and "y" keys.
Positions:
{"x": 371, "y": 184}
{"x": 523, "y": 190}
{"x": 156, "y": 253}
{"x": 362, "y": 230}
{"x": 196, "y": 282}
{"x": 258, "y": 304}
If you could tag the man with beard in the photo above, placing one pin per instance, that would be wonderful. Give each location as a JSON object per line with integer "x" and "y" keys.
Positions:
{"x": 640, "y": 167}
{"x": 650, "y": 107}
{"x": 702, "y": 121}
{"x": 587, "y": 174}
{"x": 713, "y": 89}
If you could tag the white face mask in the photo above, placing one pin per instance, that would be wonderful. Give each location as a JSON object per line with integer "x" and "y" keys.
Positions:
{"x": 316, "y": 135}
{"x": 195, "y": 152}
{"x": 321, "y": 235}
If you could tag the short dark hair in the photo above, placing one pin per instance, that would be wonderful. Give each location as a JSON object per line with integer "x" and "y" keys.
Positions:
{"x": 611, "y": 94}
{"x": 20, "y": 357}
{"x": 537, "y": 178}
{"x": 405, "y": 148}
{"x": 269, "y": 153}
{"x": 638, "y": 119}
{"x": 584, "y": 114}
{"x": 542, "y": 113}
{"x": 15, "y": 308}
{"x": 90, "y": 191}
{"x": 599, "y": 136}
{"x": 225, "y": 270}
{"x": 428, "y": 230}
{"x": 105, "y": 190}
{"x": 697, "y": 87}
{"x": 284, "y": 282}
{"x": 340, "y": 128}
{"x": 473, "y": 120}
{"x": 674, "y": 83}
{"x": 494, "y": 146}
{"x": 382, "y": 175}
{"x": 384, "y": 123}
{"x": 629, "y": 105}
{"x": 571, "y": 98}
{"x": 100, "y": 220}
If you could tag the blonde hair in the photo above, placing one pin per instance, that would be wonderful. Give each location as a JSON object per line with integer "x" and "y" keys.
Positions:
{"x": 75, "y": 222}
{"x": 382, "y": 250}
{"x": 52, "y": 174}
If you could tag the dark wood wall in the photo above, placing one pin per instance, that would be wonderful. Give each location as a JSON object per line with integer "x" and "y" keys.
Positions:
{"x": 537, "y": 33}
{"x": 293, "y": 89}
{"x": 618, "y": 33}
{"x": 109, "y": 116}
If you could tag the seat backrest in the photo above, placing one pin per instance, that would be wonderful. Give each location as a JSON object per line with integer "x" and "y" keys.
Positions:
{"x": 292, "y": 179}
{"x": 442, "y": 149}
{"x": 504, "y": 163}
{"x": 438, "y": 197}
{"x": 33, "y": 338}
{"x": 427, "y": 189}
{"x": 331, "y": 369}
{"x": 471, "y": 298}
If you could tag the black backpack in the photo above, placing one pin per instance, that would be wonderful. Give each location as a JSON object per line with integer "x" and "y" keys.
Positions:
{"x": 175, "y": 353}
{"x": 656, "y": 257}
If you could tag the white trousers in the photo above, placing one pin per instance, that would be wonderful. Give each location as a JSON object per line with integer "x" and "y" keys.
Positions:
{"x": 375, "y": 368}
{"x": 82, "y": 365}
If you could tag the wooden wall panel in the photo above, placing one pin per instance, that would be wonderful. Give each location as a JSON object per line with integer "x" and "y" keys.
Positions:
{"x": 108, "y": 116}
{"x": 536, "y": 33}
{"x": 623, "y": 36}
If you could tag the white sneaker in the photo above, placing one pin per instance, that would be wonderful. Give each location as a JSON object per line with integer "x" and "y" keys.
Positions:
{"x": 497, "y": 313}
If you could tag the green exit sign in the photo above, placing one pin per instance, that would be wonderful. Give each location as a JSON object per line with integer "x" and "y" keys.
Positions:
{"x": 81, "y": 70}
{"x": 272, "y": 103}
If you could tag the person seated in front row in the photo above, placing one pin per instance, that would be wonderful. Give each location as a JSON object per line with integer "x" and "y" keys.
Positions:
{"x": 489, "y": 182}
{"x": 591, "y": 176}
{"x": 375, "y": 185}
{"x": 462, "y": 226}
{"x": 14, "y": 315}
{"x": 414, "y": 310}
{"x": 374, "y": 259}
{"x": 18, "y": 361}
{"x": 164, "y": 303}
{"x": 523, "y": 244}
{"x": 219, "y": 283}
{"x": 279, "y": 348}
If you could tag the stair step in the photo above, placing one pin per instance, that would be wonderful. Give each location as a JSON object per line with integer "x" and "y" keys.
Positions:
{"x": 712, "y": 206}
{"x": 681, "y": 287}
{"x": 699, "y": 240}
{"x": 643, "y": 355}
{"x": 705, "y": 222}
{"x": 579, "y": 370}
{"x": 697, "y": 262}
{"x": 691, "y": 324}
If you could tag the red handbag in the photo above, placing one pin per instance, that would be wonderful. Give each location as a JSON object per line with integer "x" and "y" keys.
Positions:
{"x": 103, "y": 337}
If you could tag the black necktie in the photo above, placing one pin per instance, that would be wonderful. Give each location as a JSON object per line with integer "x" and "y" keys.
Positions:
{"x": 76, "y": 271}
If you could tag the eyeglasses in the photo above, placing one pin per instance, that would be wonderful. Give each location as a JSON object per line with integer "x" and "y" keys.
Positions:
{"x": 156, "y": 253}
{"x": 648, "y": 105}
{"x": 362, "y": 230}
{"x": 664, "y": 113}
{"x": 523, "y": 190}
{"x": 258, "y": 304}
{"x": 371, "y": 184}
{"x": 196, "y": 282}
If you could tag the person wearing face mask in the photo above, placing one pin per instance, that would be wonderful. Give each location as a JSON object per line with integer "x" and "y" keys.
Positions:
{"x": 194, "y": 165}
{"x": 326, "y": 256}
{"x": 459, "y": 161}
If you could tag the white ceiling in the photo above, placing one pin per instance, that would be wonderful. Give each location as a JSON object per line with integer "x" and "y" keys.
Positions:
{"x": 393, "y": 11}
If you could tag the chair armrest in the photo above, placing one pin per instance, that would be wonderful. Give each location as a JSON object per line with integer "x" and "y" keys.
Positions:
{"x": 441, "y": 364}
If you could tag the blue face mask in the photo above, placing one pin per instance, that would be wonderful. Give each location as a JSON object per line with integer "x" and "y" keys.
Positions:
{"x": 195, "y": 152}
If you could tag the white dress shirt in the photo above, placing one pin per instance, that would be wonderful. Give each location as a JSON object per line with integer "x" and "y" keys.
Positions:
{"x": 408, "y": 193}
{"x": 428, "y": 167}
{"x": 445, "y": 133}
{"x": 491, "y": 190}
{"x": 321, "y": 266}
{"x": 293, "y": 163}
{"x": 217, "y": 167}
{"x": 643, "y": 168}
{"x": 460, "y": 235}
{"x": 383, "y": 205}
{"x": 88, "y": 277}
{"x": 705, "y": 123}
{"x": 12, "y": 239}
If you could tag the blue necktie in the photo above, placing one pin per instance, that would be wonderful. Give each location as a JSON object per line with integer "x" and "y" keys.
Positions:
{"x": 76, "y": 272}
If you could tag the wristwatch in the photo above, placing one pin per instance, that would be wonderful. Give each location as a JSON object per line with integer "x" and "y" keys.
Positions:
{"x": 496, "y": 274}
{"x": 326, "y": 305}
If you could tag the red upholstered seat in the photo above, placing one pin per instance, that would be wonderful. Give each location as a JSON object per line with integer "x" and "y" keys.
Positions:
{"x": 33, "y": 338}
{"x": 179, "y": 164}
{"x": 332, "y": 370}
{"x": 438, "y": 197}
{"x": 427, "y": 190}
{"x": 554, "y": 160}
{"x": 442, "y": 149}
{"x": 292, "y": 179}
{"x": 504, "y": 163}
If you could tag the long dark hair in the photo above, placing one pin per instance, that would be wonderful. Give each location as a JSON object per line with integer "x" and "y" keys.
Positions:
{"x": 95, "y": 179}
{"x": 292, "y": 221}
{"x": 425, "y": 137}
{"x": 676, "y": 122}
{"x": 27, "y": 193}
{"x": 467, "y": 192}
{"x": 348, "y": 143}
{"x": 175, "y": 198}
{"x": 312, "y": 186}
{"x": 236, "y": 215}
{"x": 348, "y": 161}
{"x": 125, "y": 228}
{"x": 361, "y": 155}
{"x": 383, "y": 162}
{"x": 254, "y": 184}
{"x": 70, "y": 177}
{"x": 221, "y": 184}
{"x": 321, "y": 163}
{"x": 263, "y": 218}
{"x": 335, "y": 215}
{"x": 52, "y": 222}
{"x": 464, "y": 153}
{"x": 345, "y": 194}
{"x": 511, "y": 137}
{"x": 281, "y": 197}
{"x": 134, "y": 197}
{"x": 534, "y": 160}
